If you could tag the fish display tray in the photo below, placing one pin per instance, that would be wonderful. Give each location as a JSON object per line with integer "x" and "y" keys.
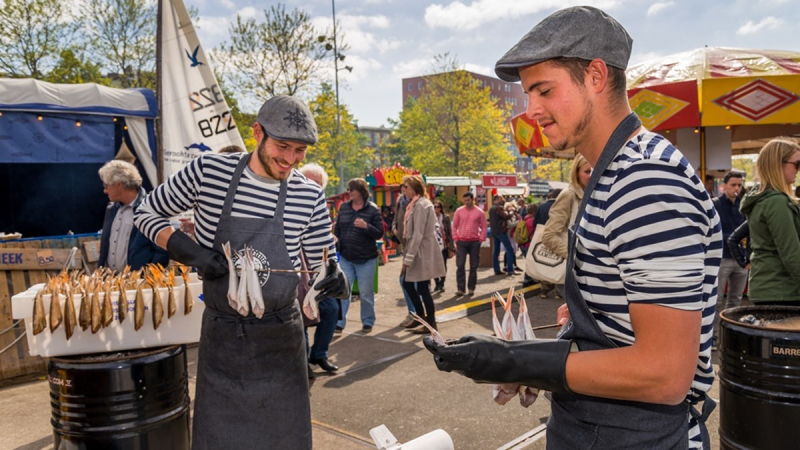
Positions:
{"x": 178, "y": 329}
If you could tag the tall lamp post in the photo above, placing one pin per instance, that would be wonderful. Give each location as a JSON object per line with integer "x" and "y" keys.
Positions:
{"x": 336, "y": 58}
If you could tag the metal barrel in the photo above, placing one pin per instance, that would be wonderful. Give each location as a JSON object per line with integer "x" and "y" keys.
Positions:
{"x": 760, "y": 378}
{"x": 132, "y": 400}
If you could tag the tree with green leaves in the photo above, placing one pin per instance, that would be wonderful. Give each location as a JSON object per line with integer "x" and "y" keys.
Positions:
{"x": 554, "y": 169}
{"x": 32, "y": 35}
{"x": 454, "y": 127}
{"x": 280, "y": 55}
{"x": 71, "y": 68}
{"x": 356, "y": 156}
{"x": 122, "y": 36}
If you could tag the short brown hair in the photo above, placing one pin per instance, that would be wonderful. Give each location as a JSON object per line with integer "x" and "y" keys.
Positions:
{"x": 415, "y": 182}
{"x": 360, "y": 185}
{"x": 576, "y": 67}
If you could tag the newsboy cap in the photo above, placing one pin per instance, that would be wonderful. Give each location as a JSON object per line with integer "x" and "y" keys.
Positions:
{"x": 288, "y": 119}
{"x": 581, "y": 32}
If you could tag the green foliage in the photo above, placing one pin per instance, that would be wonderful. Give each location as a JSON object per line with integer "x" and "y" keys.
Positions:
{"x": 356, "y": 156}
{"x": 72, "y": 69}
{"x": 122, "y": 36}
{"x": 244, "y": 121}
{"x": 32, "y": 35}
{"x": 745, "y": 163}
{"x": 454, "y": 127}
{"x": 551, "y": 169}
{"x": 281, "y": 55}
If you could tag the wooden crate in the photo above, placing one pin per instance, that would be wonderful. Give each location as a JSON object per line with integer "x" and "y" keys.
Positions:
{"x": 14, "y": 359}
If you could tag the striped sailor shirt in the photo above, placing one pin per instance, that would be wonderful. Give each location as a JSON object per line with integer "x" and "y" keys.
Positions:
{"x": 650, "y": 234}
{"x": 202, "y": 186}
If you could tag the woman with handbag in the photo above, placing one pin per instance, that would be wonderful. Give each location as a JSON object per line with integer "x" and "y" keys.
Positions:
{"x": 422, "y": 260}
{"x": 449, "y": 248}
{"x": 556, "y": 233}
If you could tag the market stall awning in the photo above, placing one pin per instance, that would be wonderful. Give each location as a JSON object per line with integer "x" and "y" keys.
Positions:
{"x": 452, "y": 181}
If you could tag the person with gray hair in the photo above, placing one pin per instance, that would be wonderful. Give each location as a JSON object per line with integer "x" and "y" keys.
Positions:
{"x": 121, "y": 243}
{"x": 315, "y": 173}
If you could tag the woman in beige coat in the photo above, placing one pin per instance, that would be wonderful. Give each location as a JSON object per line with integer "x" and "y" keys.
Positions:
{"x": 563, "y": 211}
{"x": 422, "y": 260}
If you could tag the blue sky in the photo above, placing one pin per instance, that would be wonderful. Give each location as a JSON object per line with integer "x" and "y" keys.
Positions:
{"x": 393, "y": 39}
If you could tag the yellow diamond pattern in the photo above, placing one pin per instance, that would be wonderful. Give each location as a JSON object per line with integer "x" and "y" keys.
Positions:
{"x": 654, "y": 108}
{"x": 525, "y": 132}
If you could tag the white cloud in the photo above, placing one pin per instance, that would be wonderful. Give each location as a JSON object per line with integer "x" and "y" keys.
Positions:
{"x": 248, "y": 12}
{"x": 212, "y": 29}
{"x": 752, "y": 28}
{"x": 656, "y": 8}
{"x": 637, "y": 58}
{"x": 228, "y": 4}
{"x": 458, "y": 16}
{"x": 483, "y": 70}
{"x": 379, "y": 21}
{"x": 413, "y": 68}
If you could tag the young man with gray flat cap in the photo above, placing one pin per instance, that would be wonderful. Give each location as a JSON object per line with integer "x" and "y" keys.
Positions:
{"x": 252, "y": 385}
{"x": 633, "y": 358}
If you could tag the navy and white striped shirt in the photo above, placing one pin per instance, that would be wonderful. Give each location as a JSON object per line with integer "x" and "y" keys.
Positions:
{"x": 650, "y": 235}
{"x": 202, "y": 186}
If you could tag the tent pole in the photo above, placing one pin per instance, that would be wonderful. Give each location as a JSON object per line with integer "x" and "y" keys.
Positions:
{"x": 159, "y": 98}
{"x": 703, "y": 154}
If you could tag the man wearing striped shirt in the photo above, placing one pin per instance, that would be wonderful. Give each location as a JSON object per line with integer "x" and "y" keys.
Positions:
{"x": 251, "y": 366}
{"x": 644, "y": 256}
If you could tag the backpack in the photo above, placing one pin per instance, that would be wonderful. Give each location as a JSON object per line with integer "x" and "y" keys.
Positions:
{"x": 521, "y": 235}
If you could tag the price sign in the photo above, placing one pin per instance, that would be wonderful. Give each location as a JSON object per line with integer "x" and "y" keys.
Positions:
{"x": 45, "y": 257}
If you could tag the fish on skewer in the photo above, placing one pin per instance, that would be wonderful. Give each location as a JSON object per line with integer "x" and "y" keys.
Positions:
{"x": 85, "y": 316}
{"x": 107, "y": 309}
{"x": 97, "y": 314}
{"x": 39, "y": 316}
{"x": 138, "y": 307}
{"x": 122, "y": 301}
{"x": 233, "y": 278}
{"x": 527, "y": 394}
{"x": 310, "y": 300}
{"x": 501, "y": 393}
{"x": 70, "y": 318}
{"x": 154, "y": 279}
{"x": 55, "y": 306}
{"x": 171, "y": 307}
{"x": 241, "y": 295}
{"x": 188, "y": 302}
{"x": 254, "y": 293}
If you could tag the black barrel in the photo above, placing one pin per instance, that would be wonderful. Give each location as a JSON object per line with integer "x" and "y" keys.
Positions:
{"x": 760, "y": 378}
{"x": 133, "y": 400}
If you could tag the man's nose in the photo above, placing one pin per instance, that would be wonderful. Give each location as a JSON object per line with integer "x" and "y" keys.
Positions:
{"x": 534, "y": 110}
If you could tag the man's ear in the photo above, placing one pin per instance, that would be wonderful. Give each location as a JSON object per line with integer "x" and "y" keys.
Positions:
{"x": 258, "y": 132}
{"x": 597, "y": 75}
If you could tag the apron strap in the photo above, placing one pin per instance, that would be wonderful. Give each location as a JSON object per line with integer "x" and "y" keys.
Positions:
{"x": 237, "y": 175}
{"x": 701, "y": 416}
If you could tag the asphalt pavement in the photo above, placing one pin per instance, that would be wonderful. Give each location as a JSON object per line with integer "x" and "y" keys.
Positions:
{"x": 384, "y": 377}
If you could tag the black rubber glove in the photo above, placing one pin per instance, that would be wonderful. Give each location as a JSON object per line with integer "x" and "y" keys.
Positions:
{"x": 335, "y": 283}
{"x": 209, "y": 263}
{"x": 537, "y": 363}
{"x": 741, "y": 254}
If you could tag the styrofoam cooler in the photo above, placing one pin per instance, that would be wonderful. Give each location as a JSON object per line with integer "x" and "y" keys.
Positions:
{"x": 178, "y": 329}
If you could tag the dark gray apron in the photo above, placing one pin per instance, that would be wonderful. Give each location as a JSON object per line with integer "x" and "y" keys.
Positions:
{"x": 585, "y": 422}
{"x": 252, "y": 386}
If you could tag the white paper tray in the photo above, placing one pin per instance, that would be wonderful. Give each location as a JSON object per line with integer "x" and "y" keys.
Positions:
{"x": 179, "y": 329}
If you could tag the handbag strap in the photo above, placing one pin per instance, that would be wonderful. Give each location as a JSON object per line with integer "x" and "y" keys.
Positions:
{"x": 618, "y": 138}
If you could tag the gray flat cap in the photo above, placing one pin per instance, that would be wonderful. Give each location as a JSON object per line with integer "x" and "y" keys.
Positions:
{"x": 579, "y": 32}
{"x": 288, "y": 119}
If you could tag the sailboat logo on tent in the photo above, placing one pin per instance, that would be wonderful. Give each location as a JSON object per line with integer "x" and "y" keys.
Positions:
{"x": 193, "y": 57}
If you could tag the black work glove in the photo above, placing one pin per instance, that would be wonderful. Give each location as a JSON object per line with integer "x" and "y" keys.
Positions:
{"x": 335, "y": 283}
{"x": 209, "y": 263}
{"x": 536, "y": 363}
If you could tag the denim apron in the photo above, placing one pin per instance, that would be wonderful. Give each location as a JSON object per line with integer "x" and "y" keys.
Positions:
{"x": 252, "y": 386}
{"x": 585, "y": 422}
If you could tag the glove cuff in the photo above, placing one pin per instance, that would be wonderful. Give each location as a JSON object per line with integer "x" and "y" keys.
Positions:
{"x": 538, "y": 363}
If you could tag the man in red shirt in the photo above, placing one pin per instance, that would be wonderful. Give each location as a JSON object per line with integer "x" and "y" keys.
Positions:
{"x": 469, "y": 230}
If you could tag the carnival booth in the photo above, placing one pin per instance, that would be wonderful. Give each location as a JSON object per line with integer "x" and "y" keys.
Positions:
{"x": 711, "y": 102}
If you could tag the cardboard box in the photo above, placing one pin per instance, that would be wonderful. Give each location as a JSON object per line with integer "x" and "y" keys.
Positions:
{"x": 179, "y": 329}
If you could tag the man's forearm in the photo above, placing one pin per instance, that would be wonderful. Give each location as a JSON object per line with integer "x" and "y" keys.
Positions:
{"x": 658, "y": 368}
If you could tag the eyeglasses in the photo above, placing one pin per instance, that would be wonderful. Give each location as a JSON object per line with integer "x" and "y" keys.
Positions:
{"x": 796, "y": 164}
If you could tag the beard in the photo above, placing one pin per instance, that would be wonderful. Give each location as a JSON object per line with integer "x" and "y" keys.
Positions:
{"x": 265, "y": 159}
{"x": 580, "y": 128}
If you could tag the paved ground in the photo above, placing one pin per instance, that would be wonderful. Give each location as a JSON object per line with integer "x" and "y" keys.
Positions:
{"x": 385, "y": 377}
